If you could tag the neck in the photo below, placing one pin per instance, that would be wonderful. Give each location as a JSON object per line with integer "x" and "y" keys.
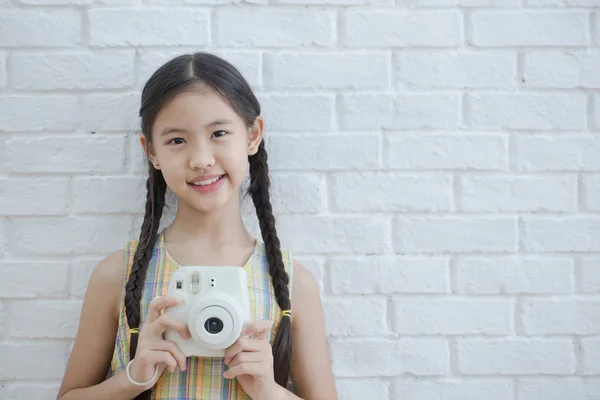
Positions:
{"x": 213, "y": 228}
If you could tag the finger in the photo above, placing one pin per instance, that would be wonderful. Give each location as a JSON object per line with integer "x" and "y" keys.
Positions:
{"x": 173, "y": 348}
{"x": 159, "y": 304}
{"x": 247, "y": 357}
{"x": 164, "y": 322}
{"x": 257, "y": 329}
{"x": 244, "y": 344}
{"x": 154, "y": 357}
{"x": 258, "y": 370}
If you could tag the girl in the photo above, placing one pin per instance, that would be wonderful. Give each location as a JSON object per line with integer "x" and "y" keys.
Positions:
{"x": 201, "y": 128}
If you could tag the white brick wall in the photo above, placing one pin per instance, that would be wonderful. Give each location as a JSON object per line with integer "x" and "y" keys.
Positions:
{"x": 436, "y": 165}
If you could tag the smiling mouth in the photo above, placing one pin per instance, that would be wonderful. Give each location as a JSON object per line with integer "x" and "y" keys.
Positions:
{"x": 207, "y": 182}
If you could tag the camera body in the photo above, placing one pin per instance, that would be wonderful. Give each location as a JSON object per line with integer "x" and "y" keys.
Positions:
{"x": 215, "y": 305}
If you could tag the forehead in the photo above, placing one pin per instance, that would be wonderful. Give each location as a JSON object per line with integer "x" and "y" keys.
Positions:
{"x": 195, "y": 108}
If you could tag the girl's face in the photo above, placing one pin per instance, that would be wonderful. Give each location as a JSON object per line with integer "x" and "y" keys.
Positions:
{"x": 202, "y": 146}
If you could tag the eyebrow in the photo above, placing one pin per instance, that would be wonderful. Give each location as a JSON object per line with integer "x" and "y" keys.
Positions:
{"x": 217, "y": 122}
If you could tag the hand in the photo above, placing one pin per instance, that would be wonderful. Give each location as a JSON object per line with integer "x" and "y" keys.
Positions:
{"x": 250, "y": 360}
{"x": 152, "y": 349}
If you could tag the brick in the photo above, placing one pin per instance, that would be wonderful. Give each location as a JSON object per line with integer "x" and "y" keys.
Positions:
{"x": 390, "y": 192}
{"x": 590, "y": 274}
{"x": 348, "y": 317}
{"x": 543, "y": 234}
{"x": 137, "y": 27}
{"x": 60, "y": 319}
{"x": 566, "y": 3}
{"x": 591, "y": 191}
{"x": 299, "y": 193}
{"x": 359, "y": 389}
{"x": 337, "y": 2}
{"x": 561, "y": 316}
{"x": 3, "y": 235}
{"x": 248, "y": 64}
{"x": 40, "y": 360}
{"x": 40, "y": 27}
{"x": 518, "y": 194}
{"x": 595, "y": 118}
{"x": 530, "y": 28}
{"x": 298, "y": 112}
{"x": 3, "y": 321}
{"x": 202, "y": 2}
{"x": 66, "y": 154}
{"x": 3, "y": 140}
{"x": 389, "y": 274}
{"x": 326, "y": 71}
{"x": 457, "y": 71}
{"x": 96, "y": 195}
{"x": 324, "y": 152}
{"x": 81, "y": 270}
{"x": 30, "y": 390}
{"x": 486, "y": 275}
{"x": 453, "y": 317}
{"x": 527, "y": 111}
{"x": 558, "y": 153}
{"x": 136, "y": 158}
{"x": 3, "y": 74}
{"x": 564, "y": 388}
{"x": 21, "y": 196}
{"x": 391, "y": 28}
{"x": 72, "y": 235}
{"x": 52, "y": 113}
{"x": 264, "y": 27}
{"x": 331, "y": 235}
{"x": 389, "y": 112}
{"x": 105, "y": 70}
{"x": 450, "y": 390}
{"x": 446, "y": 152}
{"x": 562, "y": 70}
{"x": 111, "y": 112}
{"x": 454, "y": 234}
{"x": 372, "y": 357}
{"x": 22, "y": 279}
{"x": 519, "y": 356}
{"x": 590, "y": 348}
{"x": 596, "y": 32}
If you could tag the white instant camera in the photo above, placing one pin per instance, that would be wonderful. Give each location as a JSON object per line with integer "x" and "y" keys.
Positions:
{"x": 215, "y": 305}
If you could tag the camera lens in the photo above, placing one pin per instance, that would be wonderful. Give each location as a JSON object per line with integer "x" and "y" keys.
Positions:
{"x": 213, "y": 325}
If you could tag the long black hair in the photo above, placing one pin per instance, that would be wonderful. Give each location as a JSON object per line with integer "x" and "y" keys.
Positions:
{"x": 178, "y": 75}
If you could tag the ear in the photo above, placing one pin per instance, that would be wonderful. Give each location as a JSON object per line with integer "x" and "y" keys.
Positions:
{"x": 255, "y": 135}
{"x": 149, "y": 151}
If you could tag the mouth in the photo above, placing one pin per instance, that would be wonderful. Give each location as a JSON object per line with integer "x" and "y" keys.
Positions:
{"x": 207, "y": 182}
{"x": 209, "y": 185}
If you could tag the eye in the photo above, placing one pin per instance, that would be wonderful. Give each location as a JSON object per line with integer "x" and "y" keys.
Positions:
{"x": 218, "y": 134}
{"x": 177, "y": 140}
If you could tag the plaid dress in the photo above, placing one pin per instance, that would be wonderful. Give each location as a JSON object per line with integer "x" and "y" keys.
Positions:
{"x": 203, "y": 377}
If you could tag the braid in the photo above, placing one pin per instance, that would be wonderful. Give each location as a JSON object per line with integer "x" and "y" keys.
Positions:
{"x": 259, "y": 190}
{"x": 155, "y": 201}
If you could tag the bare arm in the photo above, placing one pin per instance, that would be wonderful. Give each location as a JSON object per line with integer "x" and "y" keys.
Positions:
{"x": 311, "y": 367}
{"x": 92, "y": 353}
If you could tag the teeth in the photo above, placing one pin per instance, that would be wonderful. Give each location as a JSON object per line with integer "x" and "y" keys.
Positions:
{"x": 208, "y": 182}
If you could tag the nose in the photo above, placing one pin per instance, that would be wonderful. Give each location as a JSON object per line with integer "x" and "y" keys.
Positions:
{"x": 202, "y": 157}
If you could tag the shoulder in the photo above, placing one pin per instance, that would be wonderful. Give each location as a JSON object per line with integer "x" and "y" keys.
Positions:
{"x": 108, "y": 277}
{"x": 305, "y": 292}
{"x": 304, "y": 280}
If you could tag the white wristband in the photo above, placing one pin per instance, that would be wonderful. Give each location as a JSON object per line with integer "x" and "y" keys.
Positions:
{"x": 148, "y": 382}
